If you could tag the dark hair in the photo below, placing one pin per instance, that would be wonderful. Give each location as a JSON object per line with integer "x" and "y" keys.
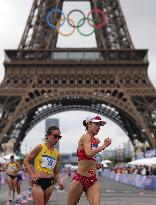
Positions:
{"x": 12, "y": 157}
{"x": 50, "y": 130}
{"x": 85, "y": 124}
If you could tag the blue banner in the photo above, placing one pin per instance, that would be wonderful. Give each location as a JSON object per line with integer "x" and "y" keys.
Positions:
{"x": 141, "y": 182}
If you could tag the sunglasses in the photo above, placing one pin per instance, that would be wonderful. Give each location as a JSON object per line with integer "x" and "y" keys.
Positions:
{"x": 57, "y": 136}
{"x": 98, "y": 123}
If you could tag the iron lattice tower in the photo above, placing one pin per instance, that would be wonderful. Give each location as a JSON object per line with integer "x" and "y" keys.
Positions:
{"x": 111, "y": 79}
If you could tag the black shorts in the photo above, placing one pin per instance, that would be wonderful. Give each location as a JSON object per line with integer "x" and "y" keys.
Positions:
{"x": 45, "y": 183}
{"x": 19, "y": 177}
{"x": 12, "y": 176}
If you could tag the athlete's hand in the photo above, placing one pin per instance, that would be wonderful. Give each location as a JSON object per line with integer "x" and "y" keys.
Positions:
{"x": 61, "y": 184}
{"x": 99, "y": 166}
{"x": 34, "y": 177}
{"x": 107, "y": 142}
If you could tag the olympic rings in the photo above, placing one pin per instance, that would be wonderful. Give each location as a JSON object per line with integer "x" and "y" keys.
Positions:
{"x": 102, "y": 15}
{"x": 49, "y": 16}
{"x": 61, "y": 21}
{"x": 58, "y": 26}
{"x": 89, "y": 34}
{"x": 77, "y": 10}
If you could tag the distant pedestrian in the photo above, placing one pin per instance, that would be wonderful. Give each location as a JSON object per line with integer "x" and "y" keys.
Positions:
{"x": 12, "y": 169}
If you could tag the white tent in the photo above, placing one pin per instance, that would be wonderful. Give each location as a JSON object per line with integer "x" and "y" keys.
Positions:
{"x": 104, "y": 164}
{"x": 107, "y": 161}
{"x": 144, "y": 161}
{"x": 7, "y": 157}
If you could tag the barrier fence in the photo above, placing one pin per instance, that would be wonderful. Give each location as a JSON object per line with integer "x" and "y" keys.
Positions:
{"x": 139, "y": 181}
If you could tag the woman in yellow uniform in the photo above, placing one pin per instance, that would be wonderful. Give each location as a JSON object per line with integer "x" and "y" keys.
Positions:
{"x": 46, "y": 170}
{"x": 11, "y": 170}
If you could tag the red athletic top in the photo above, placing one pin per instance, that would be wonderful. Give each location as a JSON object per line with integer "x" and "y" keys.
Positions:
{"x": 82, "y": 155}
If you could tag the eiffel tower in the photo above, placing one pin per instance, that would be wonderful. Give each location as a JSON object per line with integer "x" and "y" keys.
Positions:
{"x": 111, "y": 79}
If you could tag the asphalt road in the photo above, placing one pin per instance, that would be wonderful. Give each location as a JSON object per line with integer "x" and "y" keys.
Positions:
{"x": 111, "y": 192}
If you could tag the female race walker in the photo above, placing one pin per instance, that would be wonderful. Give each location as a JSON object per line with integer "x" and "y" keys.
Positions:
{"x": 11, "y": 171}
{"x": 85, "y": 179}
{"x": 46, "y": 170}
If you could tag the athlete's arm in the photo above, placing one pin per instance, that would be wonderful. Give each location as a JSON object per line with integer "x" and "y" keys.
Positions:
{"x": 30, "y": 157}
{"x": 57, "y": 172}
{"x": 18, "y": 166}
{"x": 87, "y": 146}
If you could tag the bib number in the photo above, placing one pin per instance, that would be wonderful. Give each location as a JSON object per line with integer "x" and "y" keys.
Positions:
{"x": 11, "y": 168}
{"x": 48, "y": 162}
{"x": 94, "y": 146}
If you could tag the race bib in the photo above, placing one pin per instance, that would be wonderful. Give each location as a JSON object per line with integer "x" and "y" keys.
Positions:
{"x": 11, "y": 168}
{"x": 48, "y": 162}
{"x": 94, "y": 146}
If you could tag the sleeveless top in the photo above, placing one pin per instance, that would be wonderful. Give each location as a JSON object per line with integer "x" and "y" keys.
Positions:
{"x": 12, "y": 168}
{"x": 82, "y": 155}
{"x": 46, "y": 160}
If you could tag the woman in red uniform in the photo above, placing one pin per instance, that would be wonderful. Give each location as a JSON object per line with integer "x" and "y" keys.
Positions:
{"x": 85, "y": 179}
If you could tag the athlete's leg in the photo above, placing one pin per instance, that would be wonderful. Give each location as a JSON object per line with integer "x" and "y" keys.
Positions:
{"x": 14, "y": 185}
{"x": 18, "y": 187}
{"x": 47, "y": 194}
{"x": 74, "y": 193}
{"x": 10, "y": 185}
{"x": 93, "y": 194}
{"x": 38, "y": 195}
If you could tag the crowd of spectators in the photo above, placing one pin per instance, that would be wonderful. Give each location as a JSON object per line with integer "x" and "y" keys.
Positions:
{"x": 141, "y": 170}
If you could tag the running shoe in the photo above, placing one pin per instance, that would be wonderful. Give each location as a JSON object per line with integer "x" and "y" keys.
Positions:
{"x": 18, "y": 201}
{"x": 8, "y": 202}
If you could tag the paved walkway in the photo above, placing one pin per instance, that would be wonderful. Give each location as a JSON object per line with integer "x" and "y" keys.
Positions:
{"x": 111, "y": 192}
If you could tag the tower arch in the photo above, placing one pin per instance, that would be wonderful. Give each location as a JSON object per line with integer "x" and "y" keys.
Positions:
{"x": 113, "y": 75}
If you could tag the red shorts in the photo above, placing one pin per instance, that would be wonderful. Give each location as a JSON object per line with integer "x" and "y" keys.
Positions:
{"x": 85, "y": 181}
